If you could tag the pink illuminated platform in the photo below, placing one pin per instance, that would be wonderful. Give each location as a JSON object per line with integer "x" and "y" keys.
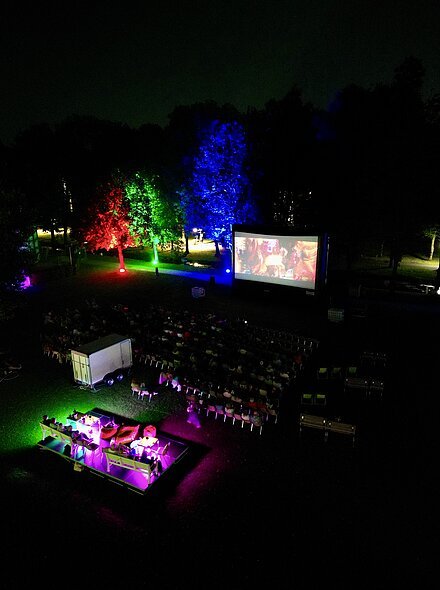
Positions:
{"x": 95, "y": 458}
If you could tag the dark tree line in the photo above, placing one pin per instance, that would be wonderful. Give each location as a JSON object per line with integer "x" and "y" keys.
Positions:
{"x": 364, "y": 170}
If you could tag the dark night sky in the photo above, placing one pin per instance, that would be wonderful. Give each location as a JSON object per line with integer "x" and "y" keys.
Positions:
{"x": 133, "y": 61}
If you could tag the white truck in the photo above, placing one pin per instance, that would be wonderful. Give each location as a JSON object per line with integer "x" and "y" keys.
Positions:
{"x": 102, "y": 361}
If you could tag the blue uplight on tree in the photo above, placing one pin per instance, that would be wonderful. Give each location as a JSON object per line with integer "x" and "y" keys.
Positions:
{"x": 220, "y": 188}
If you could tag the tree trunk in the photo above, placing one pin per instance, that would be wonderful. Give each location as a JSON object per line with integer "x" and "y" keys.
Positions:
{"x": 52, "y": 239}
{"x": 155, "y": 254}
{"x": 437, "y": 276}
{"x": 186, "y": 245}
{"x": 395, "y": 259}
{"x": 394, "y": 255}
{"x": 217, "y": 249}
{"x": 121, "y": 258}
{"x": 396, "y": 263}
{"x": 437, "y": 279}
{"x": 431, "y": 254}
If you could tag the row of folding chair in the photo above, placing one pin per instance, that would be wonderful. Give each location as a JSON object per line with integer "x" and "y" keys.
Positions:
{"x": 143, "y": 393}
{"x": 237, "y": 415}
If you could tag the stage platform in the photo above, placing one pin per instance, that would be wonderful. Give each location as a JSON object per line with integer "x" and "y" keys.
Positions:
{"x": 96, "y": 461}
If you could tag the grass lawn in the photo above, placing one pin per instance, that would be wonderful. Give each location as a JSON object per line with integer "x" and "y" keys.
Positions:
{"x": 413, "y": 267}
{"x": 46, "y": 387}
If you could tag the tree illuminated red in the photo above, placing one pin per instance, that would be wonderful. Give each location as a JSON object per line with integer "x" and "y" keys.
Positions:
{"x": 109, "y": 224}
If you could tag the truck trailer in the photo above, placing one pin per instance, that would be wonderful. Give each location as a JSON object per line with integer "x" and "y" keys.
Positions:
{"x": 102, "y": 361}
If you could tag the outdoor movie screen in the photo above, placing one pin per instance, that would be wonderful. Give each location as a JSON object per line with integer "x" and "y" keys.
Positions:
{"x": 282, "y": 260}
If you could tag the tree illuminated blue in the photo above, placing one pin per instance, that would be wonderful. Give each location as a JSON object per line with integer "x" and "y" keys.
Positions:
{"x": 220, "y": 189}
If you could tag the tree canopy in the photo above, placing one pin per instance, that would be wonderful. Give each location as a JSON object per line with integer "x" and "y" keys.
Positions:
{"x": 220, "y": 189}
{"x": 154, "y": 218}
{"x": 365, "y": 168}
{"x": 109, "y": 222}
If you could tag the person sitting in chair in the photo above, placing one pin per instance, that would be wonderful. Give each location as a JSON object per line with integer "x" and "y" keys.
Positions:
{"x": 256, "y": 419}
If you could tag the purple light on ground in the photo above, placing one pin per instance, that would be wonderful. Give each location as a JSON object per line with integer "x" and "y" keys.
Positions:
{"x": 210, "y": 469}
{"x": 26, "y": 283}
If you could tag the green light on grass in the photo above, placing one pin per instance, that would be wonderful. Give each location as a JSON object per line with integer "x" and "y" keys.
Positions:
{"x": 25, "y": 430}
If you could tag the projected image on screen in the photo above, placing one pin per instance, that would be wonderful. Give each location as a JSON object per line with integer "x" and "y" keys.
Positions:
{"x": 283, "y": 260}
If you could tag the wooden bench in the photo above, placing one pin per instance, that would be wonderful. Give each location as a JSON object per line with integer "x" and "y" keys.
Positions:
{"x": 326, "y": 425}
{"x": 341, "y": 427}
{"x": 117, "y": 460}
{"x": 63, "y": 437}
{"x": 311, "y": 421}
{"x": 353, "y": 382}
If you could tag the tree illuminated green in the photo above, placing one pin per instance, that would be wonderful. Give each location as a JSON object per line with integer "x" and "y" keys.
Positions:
{"x": 155, "y": 220}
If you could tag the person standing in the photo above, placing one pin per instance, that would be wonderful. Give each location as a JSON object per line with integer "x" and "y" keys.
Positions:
{"x": 193, "y": 414}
